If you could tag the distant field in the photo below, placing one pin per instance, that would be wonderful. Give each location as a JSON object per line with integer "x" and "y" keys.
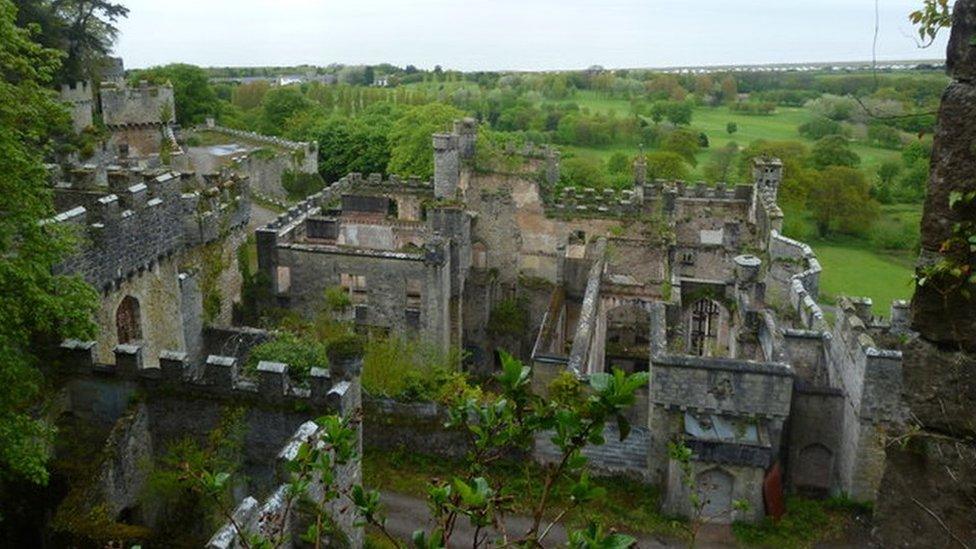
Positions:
{"x": 713, "y": 121}
{"x": 856, "y": 270}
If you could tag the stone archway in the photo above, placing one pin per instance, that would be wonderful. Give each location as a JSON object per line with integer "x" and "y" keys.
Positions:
{"x": 714, "y": 487}
{"x": 813, "y": 471}
{"x": 128, "y": 320}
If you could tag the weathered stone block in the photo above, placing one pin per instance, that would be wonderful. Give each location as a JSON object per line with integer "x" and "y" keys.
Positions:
{"x": 961, "y": 51}
{"x": 128, "y": 359}
{"x": 272, "y": 379}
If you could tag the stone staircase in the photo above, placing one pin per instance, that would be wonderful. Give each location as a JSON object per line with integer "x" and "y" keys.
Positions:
{"x": 615, "y": 457}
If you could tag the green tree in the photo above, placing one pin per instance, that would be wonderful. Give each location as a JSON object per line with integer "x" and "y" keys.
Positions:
{"x": 840, "y": 201}
{"x": 249, "y": 96}
{"x": 279, "y": 105}
{"x": 410, "y": 138}
{"x": 195, "y": 98}
{"x": 345, "y": 144}
{"x": 582, "y": 172}
{"x": 684, "y": 143}
{"x": 834, "y": 150}
{"x": 720, "y": 166}
{"x": 820, "y": 127}
{"x": 666, "y": 165}
{"x": 84, "y": 29}
{"x": 39, "y": 308}
{"x": 731, "y": 128}
{"x": 618, "y": 163}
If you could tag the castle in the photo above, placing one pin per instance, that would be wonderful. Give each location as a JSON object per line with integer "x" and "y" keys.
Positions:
{"x": 692, "y": 283}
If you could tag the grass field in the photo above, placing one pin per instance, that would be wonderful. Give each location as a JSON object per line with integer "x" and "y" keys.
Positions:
{"x": 713, "y": 121}
{"x": 853, "y": 269}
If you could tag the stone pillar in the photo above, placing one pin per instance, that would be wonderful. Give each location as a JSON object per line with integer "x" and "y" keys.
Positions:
{"x": 447, "y": 165}
{"x": 926, "y": 494}
{"x": 640, "y": 170}
{"x": 950, "y": 320}
{"x": 767, "y": 174}
{"x": 466, "y": 130}
{"x": 172, "y": 364}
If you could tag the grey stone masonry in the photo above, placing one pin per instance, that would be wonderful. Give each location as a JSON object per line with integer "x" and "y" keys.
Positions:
{"x": 447, "y": 165}
{"x": 128, "y": 231}
{"x": 219, "y": 377}
{"x": 145, "y": 104}
{"x": 717, "y": 385}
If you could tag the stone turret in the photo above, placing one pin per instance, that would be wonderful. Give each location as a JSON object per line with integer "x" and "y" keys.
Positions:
{"x": 767, "y": 173}
{"x": 466, "y": 131}
{"x": 447, "y": 165}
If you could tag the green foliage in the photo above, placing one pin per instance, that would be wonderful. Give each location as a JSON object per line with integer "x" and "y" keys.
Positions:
{"x": 301, "y": 354}
{"x": 582, "y": 172}
{"x": 666, "y": 165}
{"x": 821, "y": 127}
{"x": 805, "y": 524}
{"x": 167, "y": 487}
{"x": 194, "y": 96}
{"x": 410, "y": 138}
{"x": 346, "y": 144}
{"x": 509, "y": 317}
{"x": 409, "y": 369}
{"x": 684, "y": 143}
{"x": 731, "y": 128}
{"x": 39, "y": 308}
{"x": 834, "y": 150}
{"x": 760, "y": 108}
{"x": 337, "y": 299}
{"x": 83, "y": 29}
{"x": 300, "y": 185}
{"x": 934, "y": 16}
{"x": 619, "y": 163}
{"x": 840, "y": 200}
{"x": 280, "y": 104}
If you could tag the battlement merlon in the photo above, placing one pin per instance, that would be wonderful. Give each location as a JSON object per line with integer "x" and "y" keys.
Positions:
{"x": 334, "y": 388}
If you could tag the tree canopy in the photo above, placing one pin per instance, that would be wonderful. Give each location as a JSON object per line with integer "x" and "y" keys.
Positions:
{"x": 194, "y": 97}
{"x": 37, "y": 306}
{"x": 84, "y": 29}
{"x": 411, "y": 139}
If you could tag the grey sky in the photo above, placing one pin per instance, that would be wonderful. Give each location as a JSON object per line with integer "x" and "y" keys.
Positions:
{"x": 514, "y": 34}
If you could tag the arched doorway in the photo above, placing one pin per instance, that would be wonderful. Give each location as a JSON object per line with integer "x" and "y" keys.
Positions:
{"x": 813, "y": 473}
{"x": 714, "y": 487}
{"x": 128, "y": 322}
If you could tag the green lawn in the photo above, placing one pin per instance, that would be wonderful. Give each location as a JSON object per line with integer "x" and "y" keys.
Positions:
{"x": 852, "y": 269}
{"x": 713, "y": 121}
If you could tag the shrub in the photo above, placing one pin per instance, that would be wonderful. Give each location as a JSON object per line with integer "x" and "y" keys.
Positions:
{"x": 508, "y": 317}
{"x": 300, "y": 354}
{"x": 337, "y": 299}
{"x": 409, "y": 369}
{"x": 820, "y": 127}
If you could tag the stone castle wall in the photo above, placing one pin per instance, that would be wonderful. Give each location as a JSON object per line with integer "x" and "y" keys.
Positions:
{"x": 80, "y": 99}
{"x": 127, "y": 106}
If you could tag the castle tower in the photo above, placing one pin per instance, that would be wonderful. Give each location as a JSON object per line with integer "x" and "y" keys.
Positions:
{"x": 466, "y": 131}
{"x": 80, "y": 100}
{"x": 767, "y": 174}
{"x": 447, "y": 165}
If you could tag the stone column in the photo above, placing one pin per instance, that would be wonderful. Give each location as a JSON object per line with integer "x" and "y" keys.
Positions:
{"x": 926, "y": 494}
{"x": 447, "y": 165}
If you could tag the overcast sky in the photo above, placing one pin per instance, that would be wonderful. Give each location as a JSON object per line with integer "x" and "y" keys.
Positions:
{"x": 514, "y": 34}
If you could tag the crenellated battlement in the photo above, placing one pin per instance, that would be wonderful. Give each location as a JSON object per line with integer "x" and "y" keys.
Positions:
{"x": 332, "y": 388}
{"x": 309, "y": 147}
{"x": 78, "y": 92}
{"x": 698, "y": 191}
{"x": 132, "y": 106}
{"x": 129, "y": 230}
{"x": 590, "y": 202}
